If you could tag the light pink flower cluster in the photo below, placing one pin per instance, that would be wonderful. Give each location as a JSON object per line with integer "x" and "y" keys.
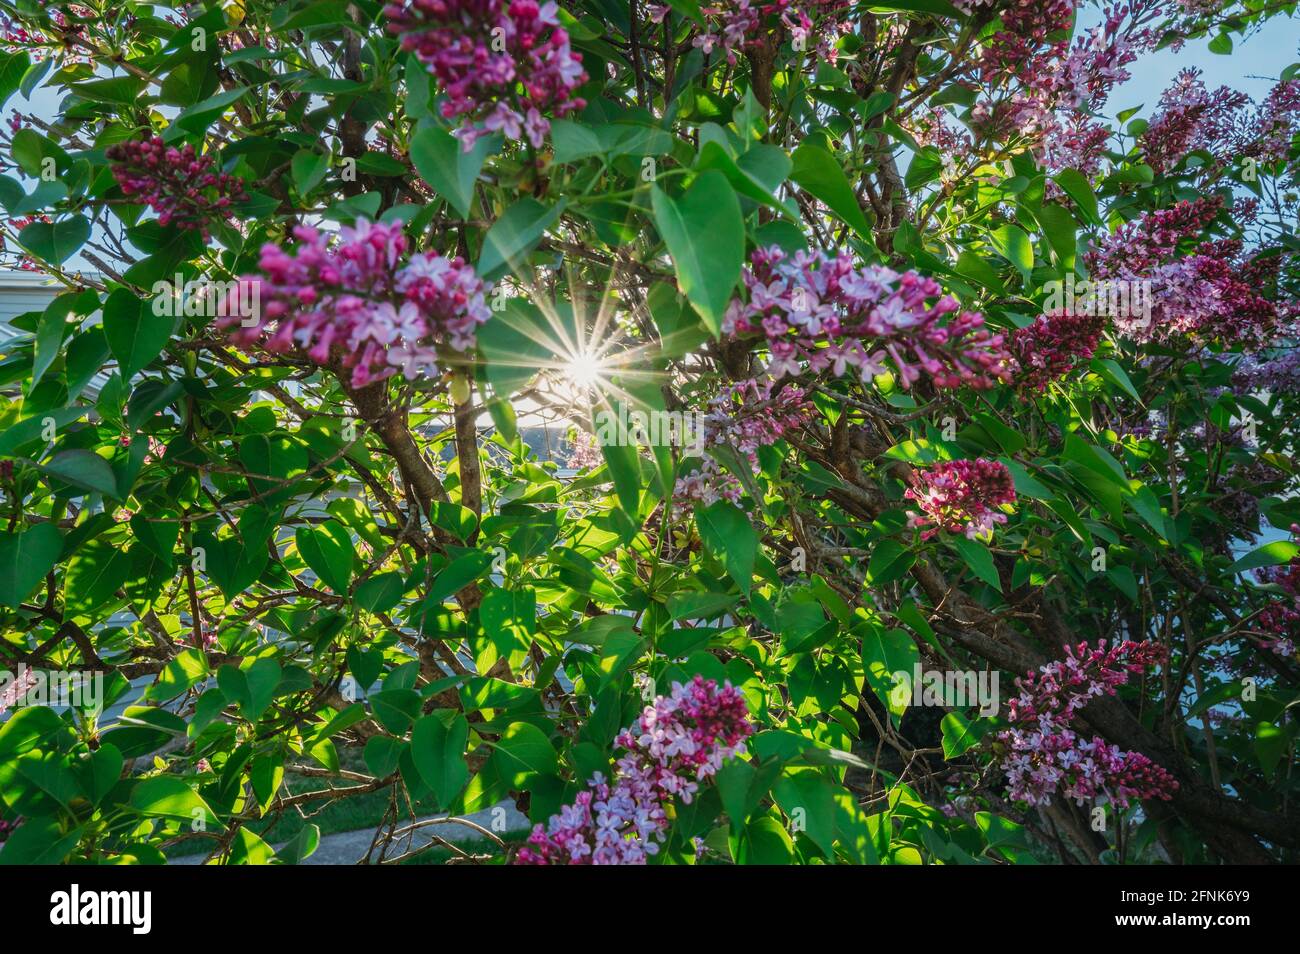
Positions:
{"x": 676, "y": 745}
{"x": 1053, "y": 84}
{"x": 1205, "y": 290}
{"x": 735, "y": 25}
{"x": 1045, "y": 756}
{"x": 585, "y": 452}
{"x": 1190, "y": 118}
{"x": 1277, "y": 123}
{"x": 183, "y": 187}
{"x": 820, "y": 310}
{"x": 747, "y": 416}
{"x": 16, "y": 688}
{"x": 359, "y": 302}
{"x": 505, "y": 65}
{"x": 1053, "y": 346}
{"x": 961, "y": 496}
{"x": 1223, "y": 123}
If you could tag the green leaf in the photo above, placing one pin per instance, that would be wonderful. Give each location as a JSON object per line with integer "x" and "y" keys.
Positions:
{"x": 756, "y": 174}
{"x": 889, "y": 658}
{"x": 509, "y": 618}
{"x": 25, "y": 559}
{"x": 1110, "y": 369}
{"x": 809, "y": 796}
{"x": 38, "y": 841}
{"x": 382, "y": 755}
{"x": 960, "y": 734}
{"x": 443, "y": 162}
{"x": 730, "y": 537}
{"x": 381, "y": 592}
{"x": 978, "y": 558}
{"x": 55, "y": 242}
{"x": 168, "y": 797}
{"x": 765, "y": 842}
{"x": 438, "y": 749}
{"x": 84, "y": 469}
{"x": 1013, "y": 244}
{"x": 1270, "y": 746}
{"x": 188, "y": 668}
{"x": 327, "y": 549}
{"x": 1059, "y": 227}
{"x": 515, "y": 344}
{"x": 1270, "y": 554}
{"x": 1076, "y": 185}
{"x": 135, "y": 334}
{"x": 523, "y": 753}
{"x": 49, "y": 336}
{"x": 198, "y": 117}
{"x": 820, "y": 173}
{"x": 705, "y": 235}
{"x": 308, "y": 168}
{"x": 514, "y": 235}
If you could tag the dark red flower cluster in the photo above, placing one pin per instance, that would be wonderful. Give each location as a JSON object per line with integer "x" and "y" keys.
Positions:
{"x": 184, "y": 188}
{"x": 1053, "y": 346}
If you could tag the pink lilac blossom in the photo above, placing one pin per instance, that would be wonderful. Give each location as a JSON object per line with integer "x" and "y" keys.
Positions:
{"x": 1045, "y": 756}
{"x": 1276, "y": 123}
{"x": 737, "y": 25}
{"x": 585, "y": 453}
{"x": 936, "y": 128}
{"x": 24, "y": 260}
{"x": 1207, "y": 291}
{"x": 1191, "y": 118}
{"x": 819, "y": 310}
{"x": 505, "y": 66}
{"x": 181, "y": 186}
{"x": 961, "y": 496}
{"x": 1053, "y": 346}
{"x": 360, "y": 303}
{"x": 1053, "y": 85}
{"x": 746, "y": 416}
{"x": 676, "y": 745}
{"x": 1280, "y": 375}
{"x": 16, "y": 687}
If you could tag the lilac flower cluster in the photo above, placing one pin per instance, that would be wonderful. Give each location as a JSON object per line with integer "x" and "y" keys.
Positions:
{"x": 1055, "y": 84}
{"x": 505, "y": 65}
{"x": 736, "y": 25}
{"x": 1053, "y": 346}
{"x": 1279, "y": 623}
{"x": 677, "y": 744}
{"x": 1190, "y": 117}
{"x": 1223, "y": 123}
{"x": 1204, "y": 290}
{"x": 181, "y": 186}
{"x": 358, "y": 304}
{"x": 1280, "y": 375}
{"x": 14, "y": 691}
{"x": 961, "y": 496}
{"x": 817, "y": 309}
{"x": 1044, "y": 756}
{"x": 747, "y": 415}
